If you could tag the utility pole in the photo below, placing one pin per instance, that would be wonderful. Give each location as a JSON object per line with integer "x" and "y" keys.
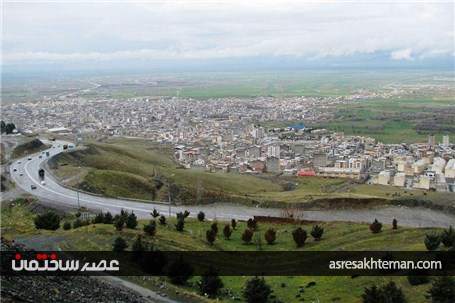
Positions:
{"x": 169, "y": 198}
{"x": 78, "y": 201}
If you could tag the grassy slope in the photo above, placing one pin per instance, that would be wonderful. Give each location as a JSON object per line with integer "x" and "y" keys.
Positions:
{"x": 18, "y": 222}
{"x": 28, "y": 148}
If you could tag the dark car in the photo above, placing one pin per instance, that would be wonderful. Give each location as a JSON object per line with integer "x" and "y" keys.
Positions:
{"x": 33, "y": 186}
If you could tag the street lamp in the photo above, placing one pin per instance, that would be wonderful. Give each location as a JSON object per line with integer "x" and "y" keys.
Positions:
{"x": 169, "y": 187}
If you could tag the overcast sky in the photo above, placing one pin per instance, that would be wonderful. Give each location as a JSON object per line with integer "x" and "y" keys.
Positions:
{"x": 83, "y": 32}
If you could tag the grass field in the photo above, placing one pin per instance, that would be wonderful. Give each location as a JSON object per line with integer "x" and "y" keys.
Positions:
{"x": 17, "y": 222}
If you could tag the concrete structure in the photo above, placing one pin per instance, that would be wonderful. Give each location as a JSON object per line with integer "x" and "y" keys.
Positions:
{"x": 419, "y": 166}
{"x": 399, "y": 179}
{"x": 450, "y": 169}
{"x": 320, "y": 160}
{"x": 445, "y": 141}
{"x": 273, "y": 151}
{"x": 423, "y": 182}
{"x": 438, "y": 165}
{"x": 384, "y": 177}
{"x": 440, "y": 183}
{"x": 352, "y": 173}
{"x": 431, "y": 141}
{"x": 273, "y": 165}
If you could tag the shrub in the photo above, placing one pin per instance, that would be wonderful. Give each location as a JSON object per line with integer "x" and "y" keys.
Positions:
{"x": 150, "y": 229}
{"x": 201, "y": 216}
{"x": 180, "y": 224}
{"x": 443, "y": 290}
{"x": 227, "y": 231}
{"x": 139, "y": 246}
{"x": 385, "y": 294}
{"x": 119, "y": 222}
{"x": 270, "y": 236}
{"x": 214, "y": 227}
{"x": 432, "y": 241}
{"x": 108, "y": 219}
{"x": 210, "y": 235}
{"x": 49, "y": 220}
{"x": 448, "y": 237}
{"x": 179, "y": 272}
{"x": 418, "y": 277}
{"x": 257, "y": 291}
{"x": 376, "y": 226}
{"x": 131, "y": 221}
{"x": 186, "y": 214}
{"x": 78, "y": 223}
{"x": 247, "y": 236}
{"x": 233, "y": 223}
{"x": 252, "y": 224}
{"x": 67, "y": 225}
{"x": 317, "y": 232}
{"x": 99, "y": 218}
{"x": 155, "y": 214}
{"x": 162, "y": 220}
{"x": 210, "y": 283}
{"x": 299, "y": 235}
{"x": 394, "y": 224}
{"x": 119, "y": 244}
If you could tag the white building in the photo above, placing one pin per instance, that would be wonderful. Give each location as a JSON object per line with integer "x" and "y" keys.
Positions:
{"x": 384, "y": 177}
{"x": 399, "y": 179}
{"x": 450, "y": 169}
{"x": 273, "y": 151}
{"x": 419, "y": 166}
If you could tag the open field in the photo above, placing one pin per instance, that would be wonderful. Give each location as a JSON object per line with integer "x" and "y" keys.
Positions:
{"x": 17, "y": 223}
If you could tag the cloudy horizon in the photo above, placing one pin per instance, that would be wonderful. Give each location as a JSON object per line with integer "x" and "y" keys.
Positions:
{"x": 55, "y": 33}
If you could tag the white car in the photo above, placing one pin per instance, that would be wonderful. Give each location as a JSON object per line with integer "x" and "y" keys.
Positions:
{"x": 43, "y": 182}
{"x": 18, "y": 162}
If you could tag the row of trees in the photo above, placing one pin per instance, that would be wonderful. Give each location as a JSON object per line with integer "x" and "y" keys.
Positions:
{"x": 7, "y": 127}
{"x": 446, "y": 237}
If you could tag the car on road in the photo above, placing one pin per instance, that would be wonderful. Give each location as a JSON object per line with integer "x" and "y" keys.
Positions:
{"x": 21, "y": 174}
{"x": 29, "y": 158}
{"x": 18, "y": 162}
{"x": 33, "y": 186}
{"x": 14, "y": 169}
{"x": 40, "y": 156}
{"x": 43, "y": 182}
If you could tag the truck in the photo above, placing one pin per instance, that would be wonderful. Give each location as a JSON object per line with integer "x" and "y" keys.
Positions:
{"x": 41, "y": 174}
{"x": 65, "y": 146}
{"x": 47, "y": 154}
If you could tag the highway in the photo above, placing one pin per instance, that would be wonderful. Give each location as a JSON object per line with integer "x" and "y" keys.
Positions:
{"x": 53, "y": 191}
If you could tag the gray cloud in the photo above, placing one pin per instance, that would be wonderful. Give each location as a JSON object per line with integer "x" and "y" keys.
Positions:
{"x": 48, "y": 32}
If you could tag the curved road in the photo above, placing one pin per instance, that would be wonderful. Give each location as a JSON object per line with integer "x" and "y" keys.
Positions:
{"x": 56, "y": 193}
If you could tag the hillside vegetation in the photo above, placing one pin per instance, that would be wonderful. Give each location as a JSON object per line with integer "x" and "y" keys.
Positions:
{"x": 28, "y": 148}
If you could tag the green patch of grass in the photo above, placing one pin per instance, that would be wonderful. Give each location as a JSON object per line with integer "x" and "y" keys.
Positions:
{"x": 29, "y": 147}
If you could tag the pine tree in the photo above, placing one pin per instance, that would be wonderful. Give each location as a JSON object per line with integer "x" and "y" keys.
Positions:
{"x": 317, "y": 232}
{"x": 99, "y": 218}
{"x": 247, "y": 236}
{"x": 180, "y": 271}
{"x": 139, "y": 245}
{"x": 252, "y": 224}
{"x": 214, "y": 227}
{"x": 155, "y": 214}
{"x": 201, "y": 216}
{"x": 210, "y": 283}
{"x": 108, "y": 219}
{"x": 227, "y": 231}
{"x": 162, "y": 220}
{"x": 49, "y": 220}
{"x": 119, "y": 222}
{"x": 131, "y": 221}
{"x": 448, "y": 237}
{"x": 443, "y": 290}
{"x": 299, "y": 235}
{"x": 256, "y": 290}
{"x": 270, "y": 236}
{"x": 394, "y": 224}
{"x": 210, "y": 236}
{"x": 119, "y": 244}
{"x": 150, "y": 229}
{"x": 376, "y": 226}
{"x": 233, "y": 223}
{"x": 180, "y": 224}
{"x": 372, "y": 295}
{"x": 186, "y": 214}
{"x": 432, "y": 241}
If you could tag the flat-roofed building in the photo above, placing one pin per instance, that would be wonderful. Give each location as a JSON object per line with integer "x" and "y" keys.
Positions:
{"x": 450, "y": 169}
{"x": 384, "y": 177}
{"x": 399, "y": 179}
{"x": 422, "y": 183}
{"x": 419, "y": 166}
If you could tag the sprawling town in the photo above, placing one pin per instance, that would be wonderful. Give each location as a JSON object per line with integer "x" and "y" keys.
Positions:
{"x": 231, "y": 135}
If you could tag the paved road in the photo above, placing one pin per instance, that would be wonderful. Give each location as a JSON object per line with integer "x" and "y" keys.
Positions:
{"x": 52, "y": 191}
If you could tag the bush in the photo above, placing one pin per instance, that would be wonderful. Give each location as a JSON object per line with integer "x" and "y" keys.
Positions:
{"x": 49, "y": 220}
{"x": 186, "y": 214}
{"x": 418, "y": 277}
{"x": 227, "y": 231}
{"x": 388, "y": 293}
{"x": 394, "y": 224}
{"x": 155, "y": 214}
{"x": 180, "y": 224}
{"x": 78, "y": 223}
{"x": 247, "y": 236}
{"x": 131, "y": 221}
{"x": 252, "y": 224}
{"x": 443, "y": 290}
{"x": 119, "y": 222}
{"x": 139, "y": 246}
{"x": 210, "y": 235}
{"x": 257, "y": 291}
{"x": 119, "y": 244}
{"x": 448, "y": 237}
{"x": 179, "y": 272}
{"x": 99, "y": 218}
{"x": 210, "y": 283}
{"x": 67, "y": 225}
{"x": 201, "y": 216}
{"x": 108, "y": 219}
{"x": 299, "y": 235}
{"x": 233, "y": 223}
{"x": 376, "y": 226}
{"x": 270, "y": 236}
{"x": 432, "y": 241}
{"x": 150, "y": 229}
{"x": 317, "y": 232}
{"x": 162, "y": 220}
{"x": 214, "y": 227}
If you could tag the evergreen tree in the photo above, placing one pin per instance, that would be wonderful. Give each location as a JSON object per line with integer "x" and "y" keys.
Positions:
{"x": 252, "y": 224}
{"x": 108, "y": 219}
{"x": 270, "y": 236}
{"x": 150, "y": 229}
{"x": 131, "y": 221}
{"x": 256, "y": 290}
{"x": 448, "y": 237}
{"x": 119, "y": 222}
{"x": 180, "y": 271}
{"x": 180, "y": 224}
{"x": 233, "y": 223}
{"x": 376, "y": 226}
{"x": 186, "y": 214}
{"x": 394, "y": 224}
{"x": 418, "y": 277}
{"x": 443, "y": 290}
{"x": 227, "y": 231}
{"x": 247, "y": 236}
{"x": 67, "y": 225}
{"x": 139, "y": 247}
{"x": 155, "y": 214}
{"x": 299, "y": 235}
{"x": 392, "y": 293}
{"x": 317, "y": 232}
{"x": 372, "y": 295}
{"x": 77, "y": 223}
{"x": 49, "y": 220}
{"x": 210, "y": 236}
{"x": 3, "y": 125}
{"x": 201, "y": 216}
{"x": 210, "y": 283}
{"x": 119, "y": 244}
{"x": 432, "y": 241}
{"x": 99, "y": 218}
{"x": 162, "y": 220}
{"x": 214, "y": 227}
